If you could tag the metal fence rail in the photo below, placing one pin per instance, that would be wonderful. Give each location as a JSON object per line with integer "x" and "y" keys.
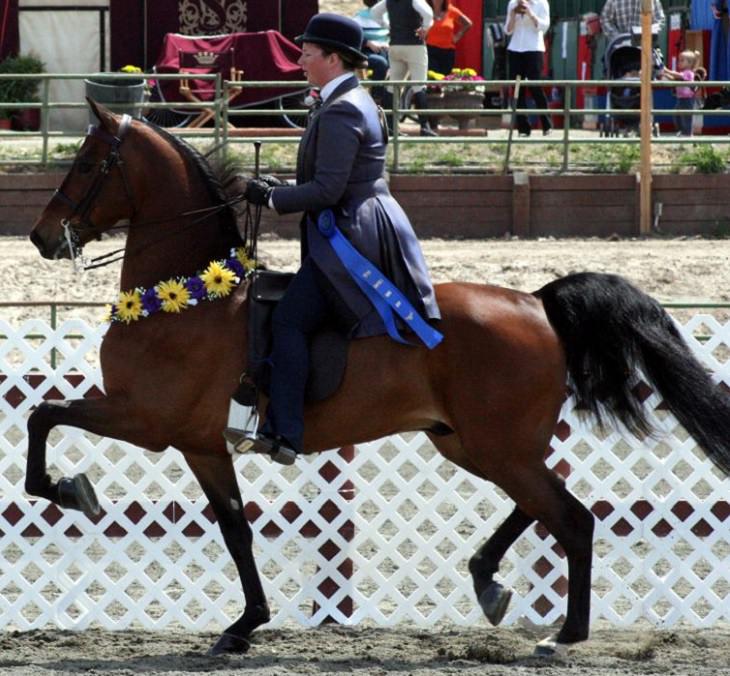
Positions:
{"x": 224, "y": 114}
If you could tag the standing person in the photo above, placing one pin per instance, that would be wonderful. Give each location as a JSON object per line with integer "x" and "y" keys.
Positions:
{"x": 620, "y": 16}
{"x": 449, "y": 26}
{"x": 686, "y": 96}
{"x": 409, "y": 24}
{"x": 526, "y": 23}
{"x": 340, "y": 166}
{"x": 720, "y": 41}
{"x": 376, "y": 38}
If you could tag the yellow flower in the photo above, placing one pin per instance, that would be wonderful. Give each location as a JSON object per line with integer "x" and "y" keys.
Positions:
{"x": 218, "y": 280}
{"x": 469, "y": 72}
{"x": 173, "y": 294}
{"x": 243, "y": 259}
{"x": 129, "y": 306}
{"x": 131, "y": 69}
{"x": 107, "y": 316}
{"x": 433, "y": 75}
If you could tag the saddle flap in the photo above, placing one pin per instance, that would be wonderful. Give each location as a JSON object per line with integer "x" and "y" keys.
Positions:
{"x": 269, "y": 286}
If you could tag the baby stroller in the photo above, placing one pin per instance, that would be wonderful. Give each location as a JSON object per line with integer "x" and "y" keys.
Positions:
{"x": 622, "y": 61}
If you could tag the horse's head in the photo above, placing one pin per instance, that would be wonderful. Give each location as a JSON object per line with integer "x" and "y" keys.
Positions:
{"x": 96, "y": 194}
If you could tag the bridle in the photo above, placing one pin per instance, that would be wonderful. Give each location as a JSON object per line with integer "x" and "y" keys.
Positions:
{"x": 72, "y": 231}
{"x": 84, "y": 206}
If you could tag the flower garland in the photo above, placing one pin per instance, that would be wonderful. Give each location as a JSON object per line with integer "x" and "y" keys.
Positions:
{"x": 174, "y": 295}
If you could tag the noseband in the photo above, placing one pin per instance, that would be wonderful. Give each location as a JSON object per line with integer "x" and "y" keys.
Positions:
{"x": 82, "y": 208}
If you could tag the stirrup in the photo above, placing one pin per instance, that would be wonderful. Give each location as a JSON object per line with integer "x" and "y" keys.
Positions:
{"x": 245, "y": 442}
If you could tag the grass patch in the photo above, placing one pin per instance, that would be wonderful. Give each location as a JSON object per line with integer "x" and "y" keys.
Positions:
{"x": 705, "y": 159}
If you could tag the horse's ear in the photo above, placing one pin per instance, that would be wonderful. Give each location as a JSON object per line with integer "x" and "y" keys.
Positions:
{"x": 103, "y": 114}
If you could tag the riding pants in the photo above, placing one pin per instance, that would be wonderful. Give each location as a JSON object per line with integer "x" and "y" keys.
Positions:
{"x": 303, "y": 309}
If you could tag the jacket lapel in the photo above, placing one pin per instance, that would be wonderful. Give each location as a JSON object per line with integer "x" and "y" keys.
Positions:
{"x": 307, "y": 146}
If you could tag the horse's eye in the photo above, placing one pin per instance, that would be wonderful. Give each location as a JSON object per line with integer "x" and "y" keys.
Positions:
{"x": 84, "y": 167}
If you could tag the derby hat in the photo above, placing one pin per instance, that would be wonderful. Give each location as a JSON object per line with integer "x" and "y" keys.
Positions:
{"x": 338, "y": 33}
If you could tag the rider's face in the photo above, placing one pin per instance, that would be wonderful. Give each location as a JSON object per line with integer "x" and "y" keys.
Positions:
{"x": 316, "y": 65}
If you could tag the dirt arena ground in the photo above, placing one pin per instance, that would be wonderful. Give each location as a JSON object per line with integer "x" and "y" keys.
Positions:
{"x": 676, "y": 269}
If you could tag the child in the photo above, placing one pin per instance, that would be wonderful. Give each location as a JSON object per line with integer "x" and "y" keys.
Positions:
{"x": 688, "y": 64}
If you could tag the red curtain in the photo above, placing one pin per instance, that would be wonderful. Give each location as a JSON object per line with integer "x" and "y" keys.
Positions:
{"x": 133, "y": 44}
{"x": 9, "y": 39}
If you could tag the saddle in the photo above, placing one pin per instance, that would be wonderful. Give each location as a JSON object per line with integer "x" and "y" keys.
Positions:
{"x": 327, "y": 352}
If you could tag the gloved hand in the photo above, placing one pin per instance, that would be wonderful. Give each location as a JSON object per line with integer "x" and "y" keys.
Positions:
{"x": 272, "y": 181}
{"x": 257, "y": 192}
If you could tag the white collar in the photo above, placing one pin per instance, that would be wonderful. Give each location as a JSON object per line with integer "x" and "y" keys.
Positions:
{"x": 330, "y": 87}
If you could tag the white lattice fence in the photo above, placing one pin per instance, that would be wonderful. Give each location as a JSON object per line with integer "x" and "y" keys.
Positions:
{"x": 391, "y": 546}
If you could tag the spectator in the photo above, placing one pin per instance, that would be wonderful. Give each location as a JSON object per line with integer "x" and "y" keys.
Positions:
{"x": 409, "y": 24}
{"x": 527, "y": 21}
{"x": 719, "y": 47}
{"x": 619, "y": 16}
{"x": 686, "y": 96}
{"x": 375, "y": 45}
{"x": 449, "y": 26}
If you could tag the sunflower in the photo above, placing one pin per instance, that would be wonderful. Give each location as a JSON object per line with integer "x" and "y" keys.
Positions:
{"x": 173, "y": 294}
{"x": 129, "y": 306}
{"x": 243, "y": 259}
{"x": 218, "y": 280}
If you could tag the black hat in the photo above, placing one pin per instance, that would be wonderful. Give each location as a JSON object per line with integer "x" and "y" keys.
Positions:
{"x": 340, "y": 33}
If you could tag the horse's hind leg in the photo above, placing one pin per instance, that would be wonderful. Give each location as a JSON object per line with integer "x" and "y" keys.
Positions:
{"x": 217, "y": 478}
{"x": 541, "y": 494}
{"x": 492, "y": 596}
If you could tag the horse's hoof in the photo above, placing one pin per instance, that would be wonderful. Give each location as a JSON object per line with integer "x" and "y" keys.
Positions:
{"x": 229, "y": 644}
{"x": 78, "y": 493}
{"x": 549, "y": 647}
{"x": 494, "y": 601}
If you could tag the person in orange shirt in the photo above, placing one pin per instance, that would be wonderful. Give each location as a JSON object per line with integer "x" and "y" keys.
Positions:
{"x": 449, "y": 26}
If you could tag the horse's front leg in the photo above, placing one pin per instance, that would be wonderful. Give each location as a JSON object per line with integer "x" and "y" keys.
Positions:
{"x": 217, "y": 478}
{"x": 104, "y": 416}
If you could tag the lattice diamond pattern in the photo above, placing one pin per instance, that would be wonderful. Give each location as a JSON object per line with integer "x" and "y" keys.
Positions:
{"x": 387, "y": 540}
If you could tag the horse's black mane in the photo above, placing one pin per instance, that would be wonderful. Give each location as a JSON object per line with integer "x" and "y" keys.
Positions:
{"x": 214, "y": 178}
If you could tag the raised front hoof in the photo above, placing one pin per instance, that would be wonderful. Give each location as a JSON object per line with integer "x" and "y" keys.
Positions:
{"x": 78, "y": 493}
{"x": 494, "y": 601}
{"x": 549, "y": 647}
{"x": 228, "y": 644}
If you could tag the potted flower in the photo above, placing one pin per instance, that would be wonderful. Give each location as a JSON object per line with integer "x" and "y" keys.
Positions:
{"x": 464, "y": 93}
{"x": 21, "y": 91}
{"x": 123, "y": 94}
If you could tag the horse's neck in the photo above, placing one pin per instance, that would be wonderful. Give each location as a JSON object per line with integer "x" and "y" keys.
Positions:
{"x": 179, "y": 246}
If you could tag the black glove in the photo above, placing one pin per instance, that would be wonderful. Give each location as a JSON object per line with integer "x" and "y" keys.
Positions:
{"x": 272, "y": 181}
{"x": 257, "y": 192}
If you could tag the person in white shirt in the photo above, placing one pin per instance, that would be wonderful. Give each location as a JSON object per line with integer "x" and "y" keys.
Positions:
{"x": 526, "y": 23}
{"x": 409, "y": 24}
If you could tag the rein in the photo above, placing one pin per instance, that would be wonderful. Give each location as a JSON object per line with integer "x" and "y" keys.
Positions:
{"x": 114, "y": 159}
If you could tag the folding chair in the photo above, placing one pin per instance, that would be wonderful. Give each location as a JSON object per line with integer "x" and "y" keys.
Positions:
{"x": 207, "y": 62}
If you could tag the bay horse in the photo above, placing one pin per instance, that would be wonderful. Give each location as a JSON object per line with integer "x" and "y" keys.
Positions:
{"x": 488, "y": 397}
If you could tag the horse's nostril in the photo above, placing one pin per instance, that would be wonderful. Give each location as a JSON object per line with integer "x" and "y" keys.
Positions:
{"x": 35, "y": 238}
{"x": 38, "y": 242}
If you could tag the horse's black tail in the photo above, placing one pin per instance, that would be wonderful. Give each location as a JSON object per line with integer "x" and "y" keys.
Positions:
{"x": 608, "y": 328}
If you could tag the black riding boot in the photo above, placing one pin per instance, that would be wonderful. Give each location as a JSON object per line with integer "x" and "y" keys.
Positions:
{"x": 420, "y": 102}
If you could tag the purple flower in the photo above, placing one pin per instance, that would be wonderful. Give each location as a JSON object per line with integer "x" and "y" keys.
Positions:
{"x": 196, "y": 288}
{"x": 234, "y": 265}
{"x": 150, "y": 302}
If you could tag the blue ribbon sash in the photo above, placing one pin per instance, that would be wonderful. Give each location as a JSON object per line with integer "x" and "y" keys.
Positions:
{"x": 381, "y": 292}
